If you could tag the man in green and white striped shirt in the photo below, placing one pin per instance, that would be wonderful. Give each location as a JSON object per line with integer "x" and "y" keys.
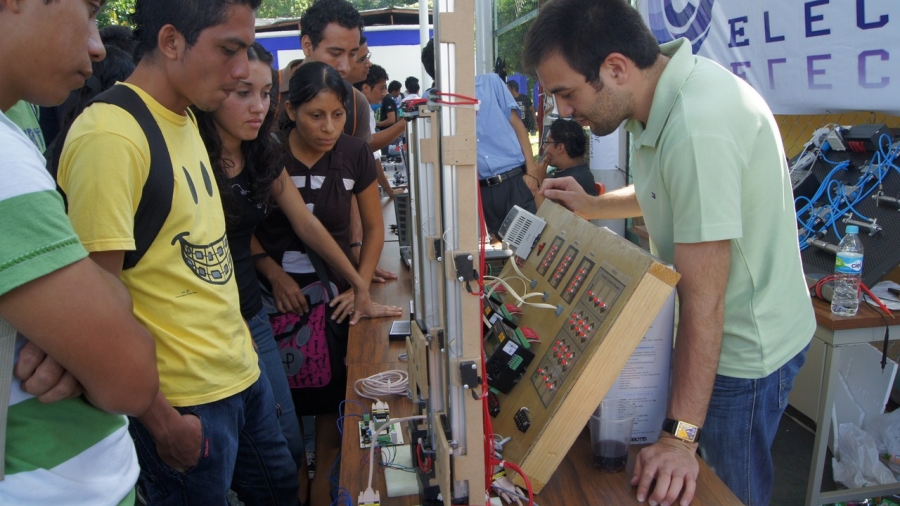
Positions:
{"x": 59, "y": 448}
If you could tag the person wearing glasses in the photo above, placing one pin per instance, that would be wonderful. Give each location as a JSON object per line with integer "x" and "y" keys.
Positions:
{"x": 564, "y": 149}
{"x": 362, "y": 64}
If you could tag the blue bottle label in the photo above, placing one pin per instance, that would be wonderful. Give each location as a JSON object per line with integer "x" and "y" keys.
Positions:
{"x": 848, "y": 263}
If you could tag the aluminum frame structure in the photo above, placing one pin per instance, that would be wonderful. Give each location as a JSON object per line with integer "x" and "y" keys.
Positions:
{"x": 444, "y": 209}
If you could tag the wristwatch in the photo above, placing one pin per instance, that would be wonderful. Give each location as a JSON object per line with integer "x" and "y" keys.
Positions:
{"x": 682, "y": 430}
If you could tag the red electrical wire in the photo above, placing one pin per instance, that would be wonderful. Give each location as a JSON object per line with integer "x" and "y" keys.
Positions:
{"x": 485, "y": 411}
{"x": 524, "y": 478}
{"x": 463, "y": 99}
{"x": 513, "y": 309}
{"x": 489, "y": 460}
{"x": 422, "y": 462}
{"x": 529, "y": 334}
{"x": 862, "y": 286}
{"x": 876, "y": 299}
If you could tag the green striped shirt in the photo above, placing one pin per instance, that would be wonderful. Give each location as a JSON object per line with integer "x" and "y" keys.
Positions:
{"x": 68, "y": 452}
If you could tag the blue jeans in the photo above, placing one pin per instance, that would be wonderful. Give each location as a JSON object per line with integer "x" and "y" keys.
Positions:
{"x": 267, "y": 349}
{"x": 741, "y": 423}
{"x": 242, "y": 449}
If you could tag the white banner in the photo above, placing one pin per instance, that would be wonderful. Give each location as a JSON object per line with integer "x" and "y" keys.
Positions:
{"x": 803, "y": 57}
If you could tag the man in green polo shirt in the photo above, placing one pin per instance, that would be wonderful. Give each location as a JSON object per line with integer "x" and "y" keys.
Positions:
{"x": 710, "y": 180}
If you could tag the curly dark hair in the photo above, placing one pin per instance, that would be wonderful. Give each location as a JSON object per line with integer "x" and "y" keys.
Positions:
{"x": 324, "y": 12}
{"x": 261, "y": 155}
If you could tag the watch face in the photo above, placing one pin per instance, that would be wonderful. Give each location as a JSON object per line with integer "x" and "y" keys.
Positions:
{"x": 686, "y": 431}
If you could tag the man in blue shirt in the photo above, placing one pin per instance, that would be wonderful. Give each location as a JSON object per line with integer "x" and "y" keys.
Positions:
{"x": 507, "y": 172}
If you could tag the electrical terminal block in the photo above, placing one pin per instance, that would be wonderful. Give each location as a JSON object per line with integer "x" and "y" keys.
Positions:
{"x": 522, "y": 419}
{"x": 493, "y": 404}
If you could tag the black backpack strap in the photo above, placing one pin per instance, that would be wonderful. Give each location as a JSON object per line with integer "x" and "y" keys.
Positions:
{"x": 319, "y": 266}
{"x": 156, "y": 196}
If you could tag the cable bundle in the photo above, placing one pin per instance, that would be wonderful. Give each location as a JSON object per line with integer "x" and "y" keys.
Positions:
{"x": 384, "y": 383}
{"x": 513, "y": 309}
{"x": 814, "y": 221}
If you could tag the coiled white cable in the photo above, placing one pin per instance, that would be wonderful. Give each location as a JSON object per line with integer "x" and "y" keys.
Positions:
{"x": 394, "y": 382}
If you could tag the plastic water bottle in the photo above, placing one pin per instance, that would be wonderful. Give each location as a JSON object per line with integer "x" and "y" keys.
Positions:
{"x": 847, "y": 274}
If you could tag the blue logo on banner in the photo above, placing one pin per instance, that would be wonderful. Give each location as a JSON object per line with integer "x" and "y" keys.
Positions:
{"x": 692, "y": 22}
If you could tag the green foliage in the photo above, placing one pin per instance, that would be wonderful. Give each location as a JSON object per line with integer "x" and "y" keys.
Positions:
{"x": 511, "y": 10}
{"x": 282, "y": 8}
{"x": 510, "y": 43}
{"x": 116, "y": 12}
{"x": 365, "y": 5}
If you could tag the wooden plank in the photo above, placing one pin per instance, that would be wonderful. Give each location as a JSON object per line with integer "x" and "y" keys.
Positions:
{"x": 459, "y": 194}
{"x": 583, "y": 344}
{"x": 416, "y": 350}
{"x": 577, "y": 482}
{"x": 371, "y": 345}
{"x": 866, "y": 317}
{"x": 600, "y": 372}
{"x": 443, "y": 454}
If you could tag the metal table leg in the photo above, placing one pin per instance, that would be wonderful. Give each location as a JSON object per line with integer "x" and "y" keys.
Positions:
{"x": 823, "y": 422}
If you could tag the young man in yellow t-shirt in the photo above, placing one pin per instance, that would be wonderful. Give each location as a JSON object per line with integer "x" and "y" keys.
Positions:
{"x": 213, "y": 425}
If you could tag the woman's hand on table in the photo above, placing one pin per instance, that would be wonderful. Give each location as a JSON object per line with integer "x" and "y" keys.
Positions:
{"x": 381, "y": 275}
{"x": 358, "y": 305}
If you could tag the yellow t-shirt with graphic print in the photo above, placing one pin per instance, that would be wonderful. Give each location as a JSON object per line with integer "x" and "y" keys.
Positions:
{"x": 183, "y": 288}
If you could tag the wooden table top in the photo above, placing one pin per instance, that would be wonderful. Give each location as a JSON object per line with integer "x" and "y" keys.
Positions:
{"x": 575, "y": 482}
{"x": 866, "y": 317}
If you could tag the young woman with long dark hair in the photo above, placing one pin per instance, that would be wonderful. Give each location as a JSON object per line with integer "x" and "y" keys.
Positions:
{"x": 328, "y": 168}
{"x": 246, "y": 165}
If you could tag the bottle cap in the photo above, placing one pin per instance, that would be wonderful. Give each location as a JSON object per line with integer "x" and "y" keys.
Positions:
{"x": 852, "y": 229}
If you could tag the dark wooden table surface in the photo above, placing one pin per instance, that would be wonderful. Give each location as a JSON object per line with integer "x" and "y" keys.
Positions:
{"x": 866, "y": 317}
{"x": 575, "y": 482}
